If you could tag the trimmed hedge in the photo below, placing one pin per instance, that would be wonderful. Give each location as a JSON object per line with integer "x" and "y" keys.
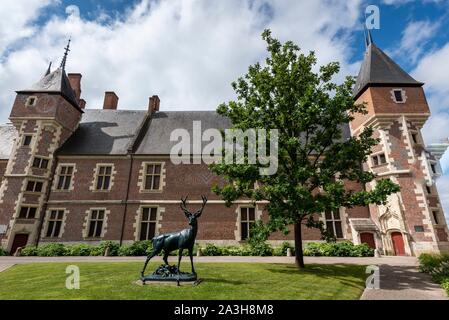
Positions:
{"x": 143, "y": 248}
{"x": 437, "y": 265}
{"x": 338, "y": 249}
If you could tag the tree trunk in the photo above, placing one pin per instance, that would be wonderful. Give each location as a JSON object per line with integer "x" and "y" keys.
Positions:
{"x": 299, "y": 257}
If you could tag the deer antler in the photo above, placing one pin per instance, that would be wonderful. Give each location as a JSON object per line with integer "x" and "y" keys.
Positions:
{"x": 183, "y": 206}
{"x": 199, "y": 212}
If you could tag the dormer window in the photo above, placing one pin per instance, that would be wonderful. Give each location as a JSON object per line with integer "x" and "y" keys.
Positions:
{"x": 31, "y": 101}
{"x": 398, "y": 95}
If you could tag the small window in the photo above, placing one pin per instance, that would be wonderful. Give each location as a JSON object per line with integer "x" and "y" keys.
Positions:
{"x": 398, "y": 95}
{"x": 433, "y": 167}
{"x": 31, "y": 101}
{"x": 435, "y": 214}
{"x": 419, "y": 229}
{"x": 27, "y": 140}
{"x": 333, "y": 223}
{"x": 379, "y": 159}
{"x": 153, "y": 176}
{"x": 64, "y": 178}
{"x": 415, "y": 138}
{"x": 104, "y": 177}
{"x": 248, "y": 219}
{"x": 40, "y": 163}
{"x": 96, "y": 223}
{"x": 148, "y": 223}
{"x": 54, "y": 223}
{"x": 428, "y": 189}
{"x": 34, "y": 186}
{"x": 27, "y": 212}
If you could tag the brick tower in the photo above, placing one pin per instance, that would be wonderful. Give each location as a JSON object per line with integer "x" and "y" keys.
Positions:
{"x": 413, "y": 220}
{"x": 44, "y": 116}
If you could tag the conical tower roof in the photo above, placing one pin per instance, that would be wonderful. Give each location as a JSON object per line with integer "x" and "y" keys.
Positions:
{"x": 379, "y": 69}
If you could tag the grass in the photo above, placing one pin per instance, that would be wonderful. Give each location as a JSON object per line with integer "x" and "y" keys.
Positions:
{"x": 225, "y": 281}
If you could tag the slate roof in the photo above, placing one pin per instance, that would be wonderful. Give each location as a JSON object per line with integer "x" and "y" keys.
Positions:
{"x": 8, "y": 136}
{"x": 55, "y": 82}
{"x": 379, "y": 69}
{"x": 104, "y": 132}
{"x": 157, "y": 138}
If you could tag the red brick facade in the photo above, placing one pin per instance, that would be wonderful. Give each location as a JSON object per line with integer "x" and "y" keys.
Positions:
{"x": 51, "y": 119}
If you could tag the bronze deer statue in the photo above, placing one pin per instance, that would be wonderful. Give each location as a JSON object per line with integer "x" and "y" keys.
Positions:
{"x": 181, "y": 240}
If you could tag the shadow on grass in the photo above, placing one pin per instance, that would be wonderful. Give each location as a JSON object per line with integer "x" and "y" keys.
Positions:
{"x": 342, "y": 272}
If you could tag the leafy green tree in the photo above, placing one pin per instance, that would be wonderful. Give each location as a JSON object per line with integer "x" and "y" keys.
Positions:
{"x": 309, "y": 110}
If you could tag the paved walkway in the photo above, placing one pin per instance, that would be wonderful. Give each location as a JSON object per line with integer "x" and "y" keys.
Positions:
{"x": 399, "y": 276}
{"x": 404, "y": 283}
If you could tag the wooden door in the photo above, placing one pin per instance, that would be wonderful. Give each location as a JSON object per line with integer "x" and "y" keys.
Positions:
{"x": 20, "y": 240}
{"x": 368, "y": 238}
{"x": 398, "y": 243}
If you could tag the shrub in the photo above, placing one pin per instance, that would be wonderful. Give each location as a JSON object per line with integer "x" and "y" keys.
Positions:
{"x": 212, "y": 250}
{"x": 261, "y": 249}
{"x": 3, "y": 252}
{"x": 138, "y": 248}
{"x": 29, "y": 251}
{"x": 52, "y": 250}
{"x": 435, "y": 265}
{"x": 338, "y": 249}
{"x": 79, "y": 250}
{"x": 282, "y": 250}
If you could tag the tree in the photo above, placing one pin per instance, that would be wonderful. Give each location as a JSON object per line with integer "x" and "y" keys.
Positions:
{"x": 309, "y": 110}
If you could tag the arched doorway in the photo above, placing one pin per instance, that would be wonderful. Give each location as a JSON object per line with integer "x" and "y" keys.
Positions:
{"x": 20, "y": 240}
{"x": 368, "y": 238}
{"x": 398, "y": 243}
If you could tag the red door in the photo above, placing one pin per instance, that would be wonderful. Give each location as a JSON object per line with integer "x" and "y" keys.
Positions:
{"x": 368, "y": 238}
{"x": 20, "y": 240}
{"x": 398, "y": 243}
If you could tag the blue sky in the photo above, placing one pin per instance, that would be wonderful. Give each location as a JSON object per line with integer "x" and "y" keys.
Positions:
{"x": 188, "y": 52}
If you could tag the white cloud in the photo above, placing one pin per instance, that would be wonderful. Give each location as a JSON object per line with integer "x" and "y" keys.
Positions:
{"x": 187, "y": 52}
{"x": 414, "y": 38}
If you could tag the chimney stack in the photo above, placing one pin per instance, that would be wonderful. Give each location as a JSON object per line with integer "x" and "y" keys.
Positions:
{"x": 82, "y": 103}
{"x": 75, "y": 83}
{"x": 154, "y": 103}
{"x": 110, "y": 100}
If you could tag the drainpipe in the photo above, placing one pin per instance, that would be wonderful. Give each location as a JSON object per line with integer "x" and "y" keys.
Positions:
{"x": 127, "y": 197}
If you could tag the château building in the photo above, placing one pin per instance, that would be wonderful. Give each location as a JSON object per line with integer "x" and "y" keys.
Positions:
{"x": 72, "y": 174}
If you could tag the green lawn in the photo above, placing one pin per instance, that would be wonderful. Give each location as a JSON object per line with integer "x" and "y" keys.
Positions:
{"x": 220, "y": 281}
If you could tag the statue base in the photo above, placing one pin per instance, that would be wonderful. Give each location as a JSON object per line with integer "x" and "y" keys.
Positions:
{"x": 166, "y": 273}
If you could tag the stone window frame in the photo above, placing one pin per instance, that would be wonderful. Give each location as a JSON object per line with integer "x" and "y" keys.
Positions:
{"x": 35, "y": 181}
{"x": 433, "y": 168}
{"x": 417, "y": 135}
{"x": 436, "y": 216}
{"x": 142, "y": 177}
{"x": 378, "y": 154}
{"x": 333, "y": 220}
{"x": 403, "y": 94}
{"x": 238, "y": 230}
{"x": 32, "y": 137}
{"x": 47, "y": 222}
{"x": 138, "y": 219}
{"x": 29, "y": 206}
{"x": 93, "y": 187}
{"x": 32, "y": 99}
{"x": 57, "y": 175}
{"x": 40, "y": 163}
{"x": 87, "y": 221}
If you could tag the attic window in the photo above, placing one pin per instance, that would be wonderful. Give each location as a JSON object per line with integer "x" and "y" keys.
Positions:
{"x": 31, "y": 101}
{"x": 398, "y": 95}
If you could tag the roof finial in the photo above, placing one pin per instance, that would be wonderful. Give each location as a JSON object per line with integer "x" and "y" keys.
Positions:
{"x": 48, "y": 70}
{"x": 370, "y": 37}
{"x": 64, "y": 59}
{"x": 365, "y": 36}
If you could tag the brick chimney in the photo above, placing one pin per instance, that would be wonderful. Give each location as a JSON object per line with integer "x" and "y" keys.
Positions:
{"x": 153, "y": 104}
{"x": 75, "y": 83}
{"x": 82, "y": 103}
{"x": 110, "y": 100}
